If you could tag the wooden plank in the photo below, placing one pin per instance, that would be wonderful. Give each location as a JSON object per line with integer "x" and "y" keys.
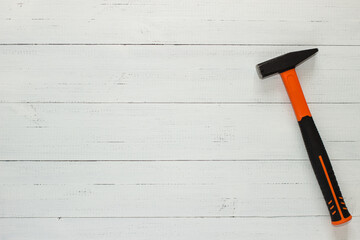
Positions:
{"x": 171, "y": 131}
{"x": 209, "y": 229}
{"x": 169, "y": 74}
{"x": 185, "y": 22}
{"x": 169, "y": 189}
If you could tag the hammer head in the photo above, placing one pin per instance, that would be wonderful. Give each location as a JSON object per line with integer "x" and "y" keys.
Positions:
{"x": 284, "y": 62}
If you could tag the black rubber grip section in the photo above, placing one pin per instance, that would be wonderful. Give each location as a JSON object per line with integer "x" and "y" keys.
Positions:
{"x": 323, "y": 171}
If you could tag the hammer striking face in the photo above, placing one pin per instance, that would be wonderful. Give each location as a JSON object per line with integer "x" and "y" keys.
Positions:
{"x": 285, "y": 66}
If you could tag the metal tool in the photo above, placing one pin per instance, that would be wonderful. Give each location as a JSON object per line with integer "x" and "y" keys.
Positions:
{"x": 285, "y": 66}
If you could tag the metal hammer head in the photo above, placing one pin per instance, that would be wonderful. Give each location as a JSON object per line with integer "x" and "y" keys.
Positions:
{"x": 284, "y": 62}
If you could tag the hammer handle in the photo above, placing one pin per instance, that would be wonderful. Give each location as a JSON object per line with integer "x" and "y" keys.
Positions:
{"x": 315, "y": 148}
{"x": 324, "y": 172}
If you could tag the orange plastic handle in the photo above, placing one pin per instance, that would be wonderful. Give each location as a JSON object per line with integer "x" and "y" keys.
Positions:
{"x": 295, "y": 93}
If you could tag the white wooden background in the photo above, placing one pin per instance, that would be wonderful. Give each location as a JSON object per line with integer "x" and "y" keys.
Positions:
{"x": 145, "y": 119}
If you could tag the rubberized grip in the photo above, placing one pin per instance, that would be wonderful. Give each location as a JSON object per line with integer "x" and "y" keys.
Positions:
{"x": 324, "y": 173}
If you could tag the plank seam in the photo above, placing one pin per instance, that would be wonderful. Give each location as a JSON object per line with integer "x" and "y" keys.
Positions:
{"x": 185, "y": 160}
{"x": 168, "y": 217}
{"x": 180, "y": 103}
{"x": 177, "y": 44}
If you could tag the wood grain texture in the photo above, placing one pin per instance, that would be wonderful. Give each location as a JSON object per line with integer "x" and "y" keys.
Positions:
{"x": 169, "y": 189}
{"x": 171, "y": 131}
{"x": 145, "y": 119}
{"x": 185, "y": 22}
{"x": 178, "y": 229}
{"x": 169, "y": 74}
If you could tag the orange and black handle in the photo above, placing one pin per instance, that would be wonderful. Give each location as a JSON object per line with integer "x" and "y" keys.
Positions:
{"x": 315, "y": 148}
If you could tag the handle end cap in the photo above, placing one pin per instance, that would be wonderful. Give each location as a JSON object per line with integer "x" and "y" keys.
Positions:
{"x": 342, "y": 221}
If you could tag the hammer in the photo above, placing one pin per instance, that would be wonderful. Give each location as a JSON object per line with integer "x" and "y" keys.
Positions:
{"x": 285, "y": 65}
